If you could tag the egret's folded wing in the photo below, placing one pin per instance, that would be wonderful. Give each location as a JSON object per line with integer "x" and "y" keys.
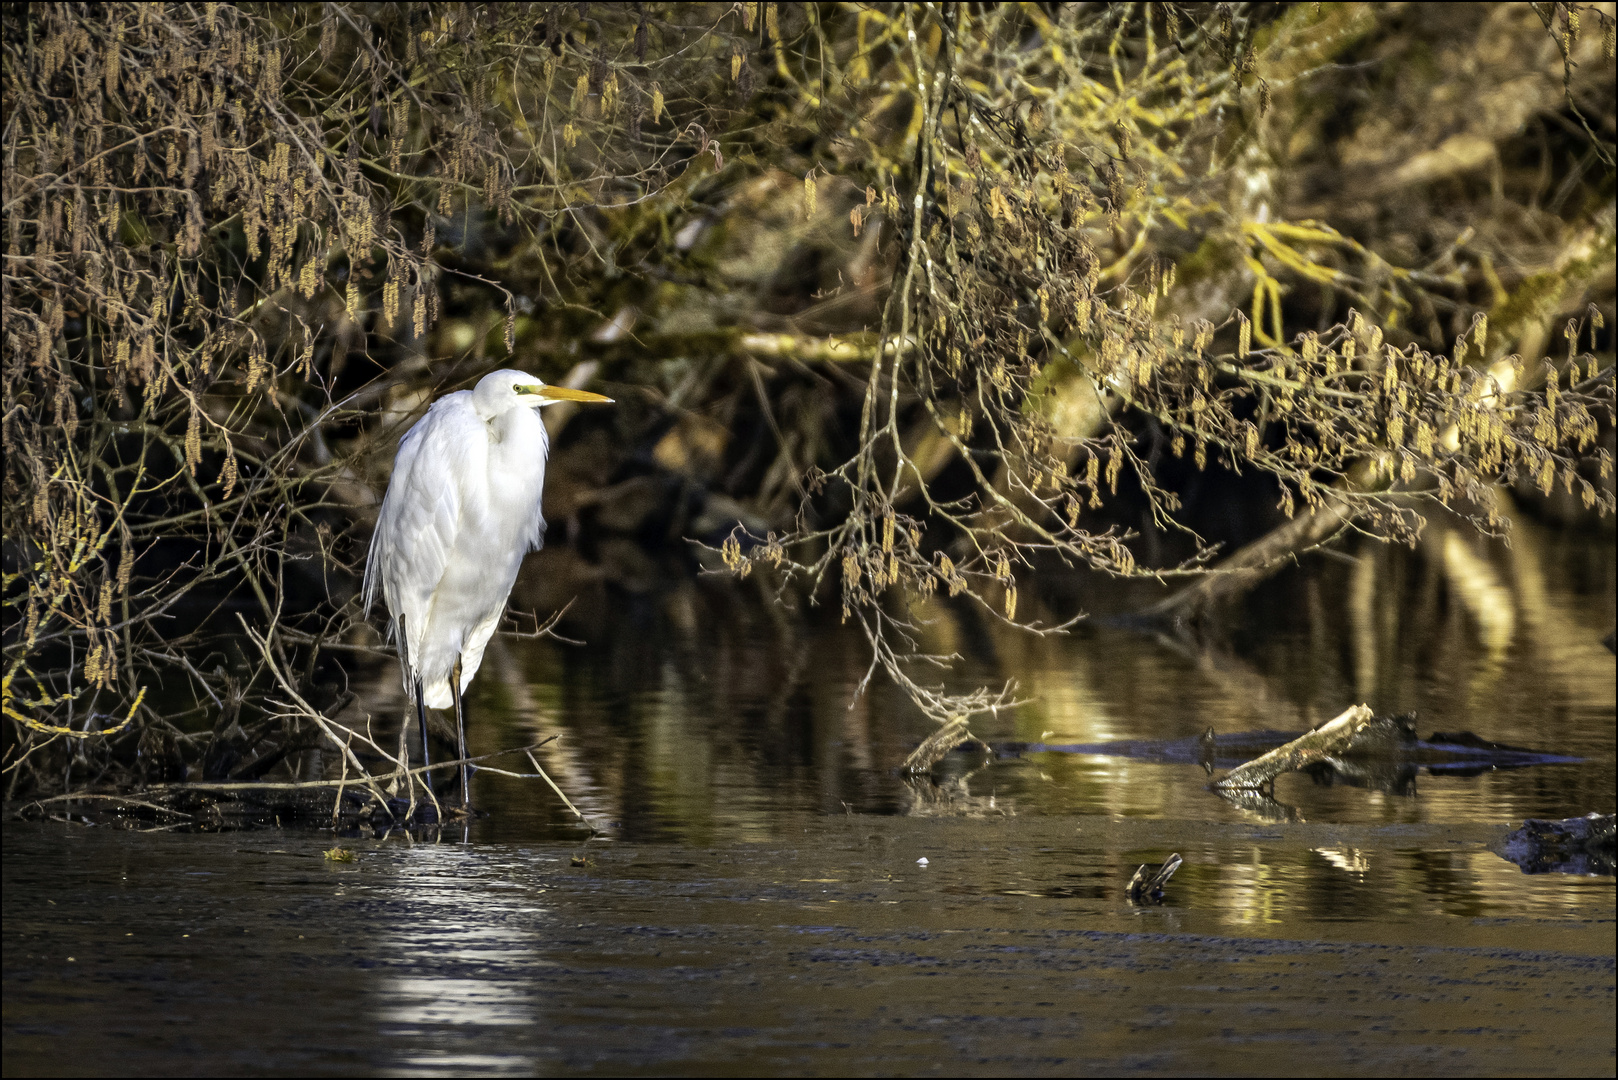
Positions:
{"x": 440, "y": 461}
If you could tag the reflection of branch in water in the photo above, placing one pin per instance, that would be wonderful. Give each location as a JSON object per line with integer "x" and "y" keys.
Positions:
{"x": 1262, "y": 804}
{"x": 1391, "y": 776}
{"x": 1249, "y": 690}
{"x": 1561, "y": 644}
{"x": 560, "y": 758}
{"x": 1475, "y": 583}
{"x": 1362, "y": 626}
{"x": 950, "y": 797}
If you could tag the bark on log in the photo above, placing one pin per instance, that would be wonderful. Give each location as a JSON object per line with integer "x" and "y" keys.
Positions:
{"x": 935, "y": 746}
{"x": 1331, "y": 738}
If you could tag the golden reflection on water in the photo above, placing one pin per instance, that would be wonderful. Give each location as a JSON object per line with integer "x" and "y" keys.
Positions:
{"x": 702, "y": 716}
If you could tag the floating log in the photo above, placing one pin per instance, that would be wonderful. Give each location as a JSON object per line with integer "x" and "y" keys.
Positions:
{"x": 935, "y": 746}
{"x": 1330, "y": 739}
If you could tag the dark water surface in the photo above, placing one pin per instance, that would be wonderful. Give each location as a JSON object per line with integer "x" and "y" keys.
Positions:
{"x": 756, "y": 901}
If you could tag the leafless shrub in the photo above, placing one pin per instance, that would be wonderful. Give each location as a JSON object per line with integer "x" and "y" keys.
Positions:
{"x": 216, "y": 215}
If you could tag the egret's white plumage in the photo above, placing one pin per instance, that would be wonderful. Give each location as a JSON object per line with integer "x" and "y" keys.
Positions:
{"x": 462, "y": 509}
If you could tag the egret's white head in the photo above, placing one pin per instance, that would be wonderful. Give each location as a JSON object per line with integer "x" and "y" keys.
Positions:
{"x": 507, "y": 389}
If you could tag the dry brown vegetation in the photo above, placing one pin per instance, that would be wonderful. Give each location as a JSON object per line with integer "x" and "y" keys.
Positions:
{"x": 901, "y": 299}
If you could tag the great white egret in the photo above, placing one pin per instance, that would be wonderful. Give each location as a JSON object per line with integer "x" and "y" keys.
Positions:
{"x": 461, "y": 511}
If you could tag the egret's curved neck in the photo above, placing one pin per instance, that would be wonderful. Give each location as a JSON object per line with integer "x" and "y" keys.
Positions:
{"x": 521, "y": 426}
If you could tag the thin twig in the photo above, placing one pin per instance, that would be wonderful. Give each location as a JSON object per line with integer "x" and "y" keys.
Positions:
{"x": 559, "y": 793}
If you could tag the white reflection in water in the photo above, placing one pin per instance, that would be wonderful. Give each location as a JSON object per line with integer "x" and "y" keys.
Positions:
{"x": 1353, "y": 860}
{"x": 460, "y": 963}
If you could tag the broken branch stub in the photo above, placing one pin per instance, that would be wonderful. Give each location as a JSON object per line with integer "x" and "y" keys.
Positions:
{"x": 1331, "y": 738}
{"x": 1146, "y": 887}
{"x": 935, "y": 746}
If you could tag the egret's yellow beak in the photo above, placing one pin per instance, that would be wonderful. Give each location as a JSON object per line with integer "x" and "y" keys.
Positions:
{"x": 559, "y": 393}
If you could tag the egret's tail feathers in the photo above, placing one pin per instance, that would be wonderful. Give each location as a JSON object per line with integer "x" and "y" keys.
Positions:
{"x": 437, "y": 695}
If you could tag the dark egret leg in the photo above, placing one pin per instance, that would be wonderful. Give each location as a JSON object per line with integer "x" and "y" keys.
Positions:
{"x": 460, "y": 734}
{"x": 426, "y": 757}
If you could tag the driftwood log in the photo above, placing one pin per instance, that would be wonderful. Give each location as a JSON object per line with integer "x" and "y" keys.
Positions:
{"x": 932, "y": 750}
{"x": 1330, "y": 739}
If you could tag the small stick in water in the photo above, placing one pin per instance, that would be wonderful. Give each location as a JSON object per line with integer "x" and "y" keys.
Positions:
{"x": 1146, "y": 887}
